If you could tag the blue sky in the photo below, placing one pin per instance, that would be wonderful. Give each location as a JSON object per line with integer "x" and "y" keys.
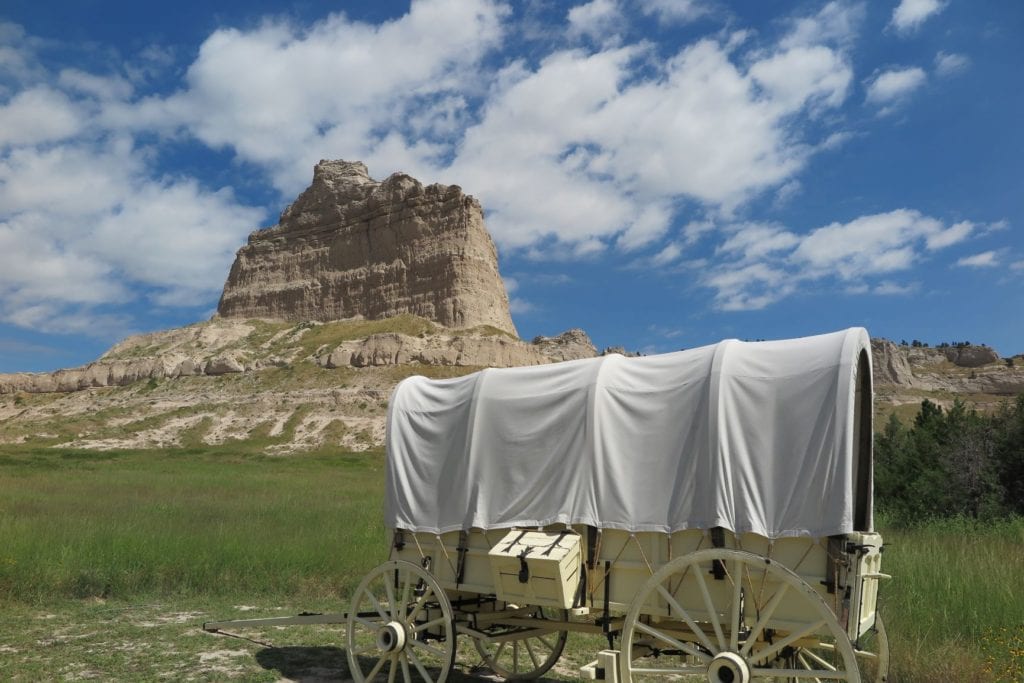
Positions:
{"x": 661, "y": 173}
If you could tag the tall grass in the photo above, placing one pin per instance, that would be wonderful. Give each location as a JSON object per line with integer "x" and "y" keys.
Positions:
{"x": 955, "y": 607}
{"x": 178, "y": 522}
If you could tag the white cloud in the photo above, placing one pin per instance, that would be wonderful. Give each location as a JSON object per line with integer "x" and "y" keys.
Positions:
{"x": 758, "y": 264}
{"x": 599, "y": 20}
{"x": 749, "y": 287}
{"x": 665, "y": 332}
{"x": 910, "y": 14}
{"x": 986, "y": 259}
{"x": 85, "y": 225}
{"x": 520, "y": 306}
{"x": 694, "y": 231}
{"x": 1017, "y": 265}
{"x": 651, "y": 223}
{"x": 609, "y": 144}
{"x": 787, "y": 192}
{"x": 949, "y": 64}
{"x": 675, "y": 11}
{"x": 872, "y": 244}
{"x": 837, "y": 23}
{"x": 667, "y": 255}
{"x": 888, "y": 288}
{"x": 801, "y": 74}
{"x": 38, "y": 115}
{"x": 755, "y": 241}
{"x": 895, "y": 84}
{"x": 954, "y": 234}
{"x": 101, "y": 87}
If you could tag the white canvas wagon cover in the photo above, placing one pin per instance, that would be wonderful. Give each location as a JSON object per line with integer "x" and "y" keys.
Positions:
{"x": 766, "y": 437}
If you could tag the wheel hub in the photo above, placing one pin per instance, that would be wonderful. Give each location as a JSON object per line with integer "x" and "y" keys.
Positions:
{"x": 728, "y": 667}
{"x": 391, "y": 637}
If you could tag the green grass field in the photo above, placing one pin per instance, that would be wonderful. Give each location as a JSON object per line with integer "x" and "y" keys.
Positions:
{"x": 110, "y": 562}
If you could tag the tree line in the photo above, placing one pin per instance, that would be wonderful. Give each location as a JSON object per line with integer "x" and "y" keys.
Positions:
{"x": 955, "y": 462}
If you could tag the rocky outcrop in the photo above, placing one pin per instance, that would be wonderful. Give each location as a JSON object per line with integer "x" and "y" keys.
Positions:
{"x": 890, "y": 364}
{"x": 475, "y": 351}
{"x": 970, "y": 356}
{"x": 966, "y": 369}
{"x": 574, "y": 343}
{"x": 351, "y": 246}
{"x": 119, "y": 373}
{"x": 222, "y": 347}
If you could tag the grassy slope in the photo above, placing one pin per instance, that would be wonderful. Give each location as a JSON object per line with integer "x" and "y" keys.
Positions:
{"x": 109, "y": 562}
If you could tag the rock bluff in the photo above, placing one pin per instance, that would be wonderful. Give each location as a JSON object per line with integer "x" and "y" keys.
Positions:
{"x": 350, "y": 246}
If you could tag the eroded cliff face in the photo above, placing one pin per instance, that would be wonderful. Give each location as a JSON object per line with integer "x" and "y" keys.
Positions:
{"x": 351, "y": 246}
{"x": 905, "y": 373}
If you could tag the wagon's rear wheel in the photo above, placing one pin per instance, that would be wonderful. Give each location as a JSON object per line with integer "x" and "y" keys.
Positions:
{"x": 523, "y": 653}
{"x": 400, "y": 627}
{"x": 741, "y": 627}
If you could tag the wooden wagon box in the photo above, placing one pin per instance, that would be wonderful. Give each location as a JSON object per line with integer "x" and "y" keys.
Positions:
{"x": 537, "y": 567}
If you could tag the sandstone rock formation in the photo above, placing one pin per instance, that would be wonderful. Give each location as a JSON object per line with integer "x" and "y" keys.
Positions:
{"x": 494, "y": 351}
{"x": 351, "y": 246}
{"x": 958, "y": 370}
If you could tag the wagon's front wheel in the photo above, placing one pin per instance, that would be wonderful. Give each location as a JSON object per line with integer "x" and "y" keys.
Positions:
{"x": 730, "y": 616}
{"x": 400, "y": 627}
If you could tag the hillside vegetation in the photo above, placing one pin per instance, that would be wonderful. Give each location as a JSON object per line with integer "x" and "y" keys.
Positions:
{"x": 955, "y": 462}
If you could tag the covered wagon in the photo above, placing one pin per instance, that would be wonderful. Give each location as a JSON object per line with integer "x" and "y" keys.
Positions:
{"x": 706, "y": 515}
{"x": 708, "y": 511}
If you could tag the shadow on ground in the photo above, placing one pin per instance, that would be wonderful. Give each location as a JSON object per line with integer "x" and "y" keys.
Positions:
{"x": 306, "y": 664}
{"x": 325, "y": 663}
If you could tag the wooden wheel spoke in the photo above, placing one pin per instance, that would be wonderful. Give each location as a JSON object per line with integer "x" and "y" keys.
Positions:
{"x": 406, "y": 587}
{"x": 529, "y": 650}
{"x": 549, "y": 646}
{"x": 419, "y": 665}
{"x": 697, "y": 631}
{"x": 429, "y": 624}
{"x": 709, "y": 605}
{"x": 421, "y": 602}
{"x": 734, "y": 611}
{"x": 778, "y": 646}
{"x": 665, "y": 638}
{"x": 391, "y": 599}
{"x": 393, "y": 669}
{"x": 766, "y": 614}
{"x": 376, "y": 604}
{"x": 423, "y": 646}
{"x": 376, "y": 668}
{"x": 820, "y": 661}
{"x": 368, "y": 623}
{"x": 406, "y": 676}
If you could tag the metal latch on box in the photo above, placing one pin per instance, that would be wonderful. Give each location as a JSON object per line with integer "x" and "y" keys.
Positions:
{"x": 524, "y": 568}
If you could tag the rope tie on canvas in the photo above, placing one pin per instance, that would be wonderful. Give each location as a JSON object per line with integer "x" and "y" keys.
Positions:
{"x": 447, "y": 557}
{"x": 642, "y": 553}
